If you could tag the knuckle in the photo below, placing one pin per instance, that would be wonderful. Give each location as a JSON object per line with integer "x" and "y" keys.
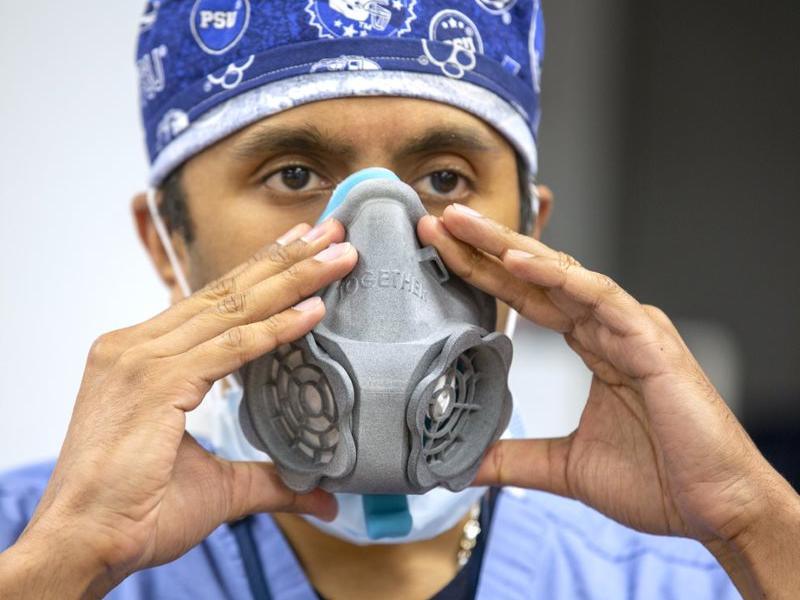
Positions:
{"x": 521, "y": 300}
{"x": 221, "y": 288}
{"x": 236, "y": 342}
{"x": 234, "y": 338}
{"x": 607, "y": 284}
{"x": 273, "y": 327}
{"x": 271, "y": 332}
{"x": 566, "y": 262}
{"x": 261, "y": 254}
{"x": 101, "y": 348}
{"x": 657, "y": 314}
{"x": 294, "y": 275}
{"x": 278, "y": 254}
{"x": 661, "y": 319}
{"x": 235, "y": 304}
{"x": 608, "y": 287}
{"x": 108, "y": 347}
{"x": 254, "y": 259}
{"x": 474, "y": 261}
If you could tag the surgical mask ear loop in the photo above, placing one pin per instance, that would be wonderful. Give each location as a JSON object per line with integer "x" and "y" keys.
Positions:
{"x": 177, "y": 269}
{"x": 513, "y": 316}
{"x": 535, "y": 203}
{"x": 166, "y": 243}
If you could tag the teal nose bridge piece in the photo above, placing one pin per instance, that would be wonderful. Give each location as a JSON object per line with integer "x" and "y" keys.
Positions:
{"x": 403, "y": 384}
{"x": 341, "y": 191}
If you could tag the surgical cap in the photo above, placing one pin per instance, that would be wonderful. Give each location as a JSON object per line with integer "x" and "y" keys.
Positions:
{"x": 208, "y": 68}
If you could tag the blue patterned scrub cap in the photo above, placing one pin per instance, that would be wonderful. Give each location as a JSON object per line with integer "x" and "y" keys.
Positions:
{"x": 208, "y": 68}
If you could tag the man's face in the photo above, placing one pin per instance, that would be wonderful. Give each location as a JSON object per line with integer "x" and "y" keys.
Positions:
{"x": 250, "y": 188}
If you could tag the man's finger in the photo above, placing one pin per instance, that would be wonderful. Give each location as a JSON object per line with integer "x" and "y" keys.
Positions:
{"x": 257, "y": 488}
{"x": 488, "y": 274}
{"x": 299, "y": 243}
{"x": 267, "y": 262}
{"x": 494, "y": 238}
{"x": 261, "y": 300}
{"x": 597, "y": 364}
{"x": 599, "y": 295}
{"x": 538, "y": 264}
{"x": 220, "y": 490}
{"x": 229, "y": 351}
{"x": 534, "y": 464}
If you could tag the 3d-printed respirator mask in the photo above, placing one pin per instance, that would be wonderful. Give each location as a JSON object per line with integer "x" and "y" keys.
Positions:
{"x": 404, "y": 383}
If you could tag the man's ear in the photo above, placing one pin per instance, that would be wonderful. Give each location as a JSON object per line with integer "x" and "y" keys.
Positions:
{"x": 545, "y": 210}
{"x": 152, "y": 244}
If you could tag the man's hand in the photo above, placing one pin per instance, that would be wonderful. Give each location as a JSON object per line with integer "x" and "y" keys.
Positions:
{"x": 131, "y": 488}
{"x": 656, "y": 448}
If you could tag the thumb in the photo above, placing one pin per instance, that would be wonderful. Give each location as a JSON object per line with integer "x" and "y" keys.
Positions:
{"x": 534, "y": 464}
{"x": 256, "y": 487}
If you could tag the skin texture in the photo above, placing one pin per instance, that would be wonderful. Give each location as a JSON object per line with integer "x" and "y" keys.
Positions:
{"x": 132, "y": 490}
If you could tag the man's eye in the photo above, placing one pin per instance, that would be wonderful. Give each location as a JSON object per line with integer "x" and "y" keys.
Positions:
{"x": 443, "y": 183}
{"x": 294, "y": 179}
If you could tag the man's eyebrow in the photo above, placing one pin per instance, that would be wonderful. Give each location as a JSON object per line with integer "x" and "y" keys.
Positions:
{"x": 447, "y": 138}
{"x": 306, "y": 139}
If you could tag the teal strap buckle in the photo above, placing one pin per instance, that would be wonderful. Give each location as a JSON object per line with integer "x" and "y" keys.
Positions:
{"x": 387, "y": 516}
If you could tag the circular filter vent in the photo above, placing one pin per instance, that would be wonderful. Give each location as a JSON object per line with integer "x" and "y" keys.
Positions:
{"x": 300, "y": 405}
{"x": 452, "y": 406}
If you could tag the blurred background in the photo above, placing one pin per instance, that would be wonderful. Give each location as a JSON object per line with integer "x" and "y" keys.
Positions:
{"x": 670, "y": 138}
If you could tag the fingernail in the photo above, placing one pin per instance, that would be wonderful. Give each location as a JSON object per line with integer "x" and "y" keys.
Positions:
{"x": 292, "y": 235}
{"x": 333, "y": 252}
{"x": 467, "y": 211}
{"x": 309, "y": 304}
{"x": 519, "y": 254}
{"x": 317, "y": 232}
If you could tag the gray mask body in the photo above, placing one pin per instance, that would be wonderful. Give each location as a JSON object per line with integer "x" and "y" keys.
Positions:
{"x": 403, "y": 385}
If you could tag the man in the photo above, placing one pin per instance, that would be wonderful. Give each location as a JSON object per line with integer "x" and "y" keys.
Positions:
{"x": 253, "y": 112}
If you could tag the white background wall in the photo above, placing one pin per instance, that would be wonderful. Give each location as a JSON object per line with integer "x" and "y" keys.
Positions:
{"x": 71, "y": 157}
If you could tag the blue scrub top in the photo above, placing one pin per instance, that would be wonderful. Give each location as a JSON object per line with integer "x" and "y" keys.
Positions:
{"x": 539, "y": 546}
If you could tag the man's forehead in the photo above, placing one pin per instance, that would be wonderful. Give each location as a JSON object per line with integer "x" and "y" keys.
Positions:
{"x": 344, "y": 126}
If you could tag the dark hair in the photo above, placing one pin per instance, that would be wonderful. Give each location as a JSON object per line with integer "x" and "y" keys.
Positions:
{"x": 176, "y": 215}
{"x": 527, "y": 219}
{"x": 173, "y": 207}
